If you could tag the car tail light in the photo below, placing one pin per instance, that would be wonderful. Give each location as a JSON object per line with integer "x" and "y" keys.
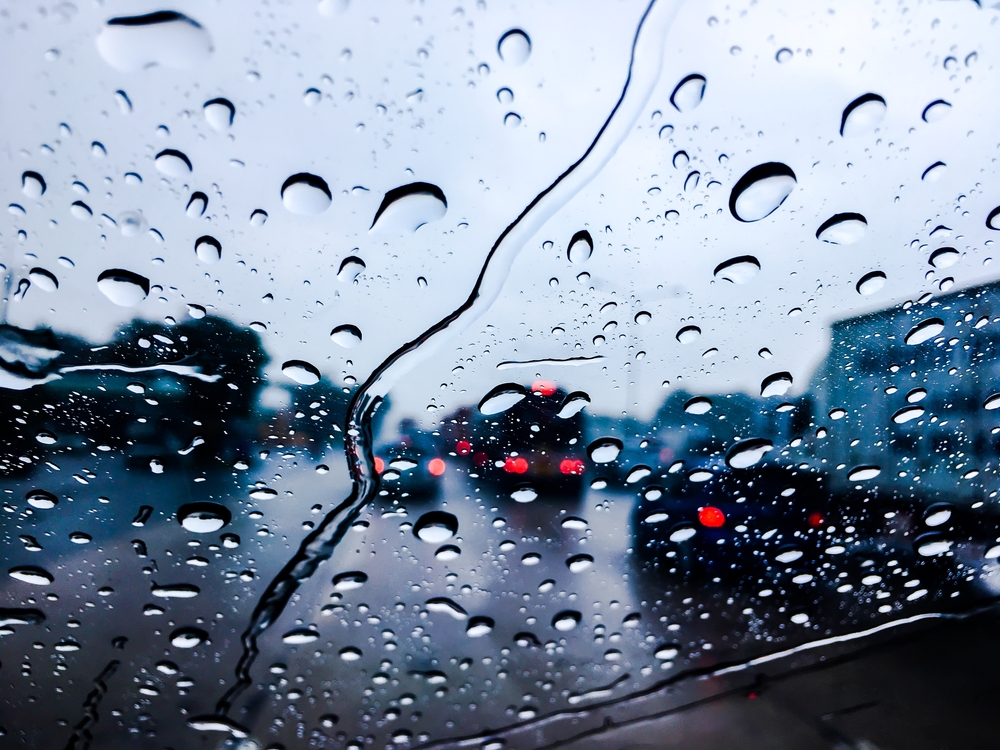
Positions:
{"x": 571, "y": 466}
{"x": 379, "y": 465}
{"x": 515, "y": 465}
{"x": 711, "y": 517}
{"x": 436, "y": 467}
{"x": 816, "y": 520}
{"x": 480, "y": 459}
{"x": 543, "y": 387}
{"x": 463, "y": 447}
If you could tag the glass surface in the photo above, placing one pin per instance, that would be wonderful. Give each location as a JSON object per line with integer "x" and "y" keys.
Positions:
{"x": 484, "y": 374}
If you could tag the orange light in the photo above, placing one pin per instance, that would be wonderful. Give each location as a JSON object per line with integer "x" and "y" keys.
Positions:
{"x": 436, "y": 467}
{"x": 571, "y": 466}
{"x": 543, "y": 387}
{"x": 711, "y": 517}
{"x": 516, "y": 465}
{"x": 463, "y": 447}
{"x": 816, "y": 520}
{"x": 379, "y": 465}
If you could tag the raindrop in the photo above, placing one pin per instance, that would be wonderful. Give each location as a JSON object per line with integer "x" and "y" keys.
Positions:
{"x": 347, "y": 336}
{"x": 524, "y": 495}
{"x": 681, "y": 160}
{"x": 173, "y": 163}
{"x": 666, "y": 131}
{"x": 698, "y": 405}
{"x": 870, "y": 283}
{"x": 682, "y": 532}
{"x": 863, "y": 473}
{"x": 566, "y": 620}
{"x": 916, "y": 395}
{"x": 311, "y": 97}
{"x": 350, "y": 653}
{"x": 122, "y": 287}
{"x": 480, "y": 626}
{"x": 934, "y": 172}
{"x": 80, "y": 210}
{"x": 667, "y": 652}
{"x": 776, "y": 384}
{"x": 165, "y": 37}
{"x": 447, "y": 552}
{"x": 203, "y": 517}
{"x": 935, "y": 110}
{"x": 573, "y": 404}
{"x": 512, "y": 120}
{"x": 219, "y": 114}
{"x": 688, "y": 334}
{"x": 263, "y": 493}
{"x": 944, "y": 257}
{"x": 46, "y": 438}
{"x": 574, "y": 522}
{"x": 349, "y": 581}
{"x": 642, "y": 318}
{"x": 196, "y": 205}
{"x": 446, "y": 606}
{"x": 505, "y": 96}
{"x": 691, "y": 181}
{"x": 862, "y": 115}
{"x": 760, "y": 191}
{"x": 993, "y": 220}
{"x": 408, "y": 207}
{"x": 350, "y": 267}
{"x": 301, "y": 372}
{"x": 208, "y": 249}
{"x": 188, "y": 637}
{"x": 43, "y": 279}
{"x": 783, "y": 55}
{"x": 842, "y": 229}
{"x": 938, "y": 514}
{"x": 604, "y": 450}
{"x": 747, "y": 453}
{"x": 579, "y": 563}
{"x": 306, "y": 194}
{"x": 435, "y": 527}
{"x": 581, "y": 247}
{"x": 42, "y": 499}
{"x": 258, "y": 218}
{"x": 514, "y": 47}
{"x": 176, "y": 591}
{"x": 932, "y": 545}
{"x": 907, "y": 414}
{"x": 993, "y": 402}
{"x": 688, "y": 93}
{"x": 299, "y": 636}
{"x": 501, "y": 398}
{"x": 637, "y": 474}
{"x": 738, "y": 270}
{"x": 32, "y": 185}
{"x": 924, "y": 331}
{"x": 788, "y": 554}
{"x": 31, "y": 574}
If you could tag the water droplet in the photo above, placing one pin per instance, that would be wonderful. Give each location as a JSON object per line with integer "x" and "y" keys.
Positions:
{"x": 512, "y": 120}
{"x": 188, "y": 637}
{"x": 32, "y": 185}
{"x": 350, "y": 653}
{"x": 581, "y": 247}
{"x": 300, "y": 636}
{"x": 43, "y": 279}
{"x": 934, "y": 172}
{"x": 908, "y": 413}
{"x": 604, "y": 450}
{"x": 944, "y": 257}
{"x": 738, "y": 270}
{"x": 862, "y": 115}
{"x": 574, "y": 523}
{"x": 435, "y": 527}
{"x": 566, "y": 620}
{"x": 938, "y": 514}
{"x": 993, "y": 402}
{"x": 311, "y": 97}
{"x": 932, "y": 545}
{"x": 501, "y": 398}
{"x": 46, "y": 438}
{"x": 167, "y": 38}
{"x": 783, "y": 55}
{"x": 776, "y": 384}
{"x": 684, "y": 531}
{"x": 258, "y": 218}
{"x": 863, "y": 473}
{"x": 924, "y": 331}
{"x": 870, "y": 283}
{"x": 176, "y": 591}
{"x": 935, "y": 110}
{"x": 263, "y": 493}
{"x": 347, "y": 336}
{"x": 306, "y": 194}
{"x": 842, "y": 229}
{"x": 514, "y": 47}
{"x": 667, "y": 652}
{"x": 208, "y": 249}
{"x": 666, "y": 131}
{"x": 573, "y": 404}
{"x": 681, "y": 160}
{"x": 691, "y": 181}
{"x": 122, "y": 287}
{"x": 480, "y": 626}
{"x": 444, "y": 605}
{"x": 301, "y": 372}
{"x": 350, "y": 267}
{"x": 688, "y": 93}
{"x": 219, "y": 114}
{"x": 524, "y": 494}
{"x": 760, "y": 191}
{"x": 698, "y": 405}
{"x": 31, "y": 574}
{"x": 80, "y": 210}
{"x": 42, "y": 499}
{"x": 203, "y": 517}
{"x": 747, "y": 453}
{"x": 447, "y": 552}
{"x": 642, "y": 318}
{"x": 173, "y": 163}
{"x": 408, "y": 207}
{"x": 349, "y": 581}
{"x": 196, "y": 205}
{"x": 688, "y": 334}
{"x": 579, "y": 563}
{"x": 993, "y": 220}
{"x": 637, "y": 474}
{"x": 505, "y": 96}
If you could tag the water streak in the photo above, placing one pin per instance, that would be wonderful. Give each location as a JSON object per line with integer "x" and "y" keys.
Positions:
{"x": 643, "y": 72}
{"x": 565, "y": 362}
{"x": 82, "y": 737}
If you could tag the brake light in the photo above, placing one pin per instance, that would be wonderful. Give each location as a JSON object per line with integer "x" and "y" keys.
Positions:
{"x": 815, "y": 520}
{"x": 379, "y": 465}
{"x": 515, "y": 465}
{"x": 480, "y": 459}
{"x": 543, "y": 387}
{"x": 571, "y": 466}
{"x": 436, "y": 467}
{"x": 463, "y": 447}
{"x": 711, "y": 517}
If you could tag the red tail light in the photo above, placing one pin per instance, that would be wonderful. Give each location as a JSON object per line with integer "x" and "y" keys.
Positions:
{"x": 463, "y": 447}
{"x": 436, "y": 467}
{"x": 480, "y": 459}
{"x": 571, "y": 466}
{"x": 816, "y": 520}
{"x": 711, "y": 517}
{"x": 515, "y": 465}
{"x": 379, "y": 465}
{"x": 543, "y": 387}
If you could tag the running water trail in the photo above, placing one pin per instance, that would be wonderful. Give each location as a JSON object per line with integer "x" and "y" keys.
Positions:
{"x": 82, "y": 736}
{"x": 643, "y": 72}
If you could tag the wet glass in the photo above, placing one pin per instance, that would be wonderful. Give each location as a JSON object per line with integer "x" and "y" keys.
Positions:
{"x": 484, "y": 375}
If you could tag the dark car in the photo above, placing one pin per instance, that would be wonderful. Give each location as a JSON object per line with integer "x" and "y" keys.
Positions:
{"x": 410, "y": 466}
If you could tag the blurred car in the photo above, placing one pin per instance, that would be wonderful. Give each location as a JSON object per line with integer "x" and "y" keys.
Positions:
{"x": 410, "y": 466}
